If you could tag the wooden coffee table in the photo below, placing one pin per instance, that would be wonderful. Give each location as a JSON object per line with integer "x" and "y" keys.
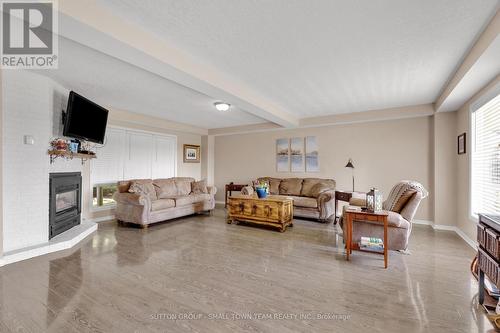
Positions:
{"x": 275, "y": 210}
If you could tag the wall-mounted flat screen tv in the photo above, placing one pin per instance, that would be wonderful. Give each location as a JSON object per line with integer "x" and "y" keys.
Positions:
{"x": 85, "y": 119}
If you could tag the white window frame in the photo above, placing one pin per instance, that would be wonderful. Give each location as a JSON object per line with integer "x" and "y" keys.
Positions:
{"x": 93, "y": 208}
{"x": 476, "y": 105}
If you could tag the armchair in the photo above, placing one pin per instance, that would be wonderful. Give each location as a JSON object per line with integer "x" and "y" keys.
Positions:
{"x": 401, "y": 205}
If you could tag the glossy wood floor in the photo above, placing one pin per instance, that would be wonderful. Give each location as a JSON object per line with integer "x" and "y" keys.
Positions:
{"x": 215, "y": 277}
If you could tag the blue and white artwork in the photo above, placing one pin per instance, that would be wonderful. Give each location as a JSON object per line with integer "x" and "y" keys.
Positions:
{"x": 312, "y": 161}
{"x": 297, "y": 154}
{"x": 282, "y": 155}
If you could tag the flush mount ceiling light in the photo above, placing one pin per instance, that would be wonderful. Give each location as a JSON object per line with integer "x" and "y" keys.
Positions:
{"x": 222, "y": 106}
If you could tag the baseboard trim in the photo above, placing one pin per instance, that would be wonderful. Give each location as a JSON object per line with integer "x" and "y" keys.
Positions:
{"x": 423, "y": 222}
{"x": 63, "y": 241}
{"x": 443, "y": 227}
{"x": 466, "y": 238}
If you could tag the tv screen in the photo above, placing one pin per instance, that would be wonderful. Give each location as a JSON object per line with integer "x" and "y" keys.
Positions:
{"x": 84, "y": 119}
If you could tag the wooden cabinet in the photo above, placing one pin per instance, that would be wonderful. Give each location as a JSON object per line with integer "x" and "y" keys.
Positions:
{"x": 488, "y": 238}
{"x": 276, "y": 211}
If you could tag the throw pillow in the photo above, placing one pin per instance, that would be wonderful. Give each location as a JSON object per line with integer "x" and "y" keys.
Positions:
{"x": 247, "y": 190}
{"x": 165, "y": 188}
{"x": 403, "y": 200}
{"x": 199, "y": 187}
{"x": 146, "y": 189}
{"x": 291, "y": 186}
{"x": 319, "y": 188}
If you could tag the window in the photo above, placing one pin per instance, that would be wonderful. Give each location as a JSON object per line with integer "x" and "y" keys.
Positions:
{"x": 102, "y": 195}
{"x": 128, "y": 154}
{"x": 485, "y": 158}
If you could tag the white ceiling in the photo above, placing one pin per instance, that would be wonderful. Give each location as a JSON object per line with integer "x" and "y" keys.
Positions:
{"x": 113, "y": 83}
{"x": 311, "y": 57}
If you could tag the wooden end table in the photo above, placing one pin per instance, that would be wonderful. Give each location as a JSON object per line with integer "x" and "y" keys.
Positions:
{"x": 341, "y": 196}
{"x": 229, "y": 188}
{"x": 350, "y": 216}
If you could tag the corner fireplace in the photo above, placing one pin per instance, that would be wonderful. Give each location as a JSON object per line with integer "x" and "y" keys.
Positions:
{"x": 65, "y": 201}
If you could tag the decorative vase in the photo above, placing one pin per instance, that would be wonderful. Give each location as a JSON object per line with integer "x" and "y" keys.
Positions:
{"x": 261, "y": 192}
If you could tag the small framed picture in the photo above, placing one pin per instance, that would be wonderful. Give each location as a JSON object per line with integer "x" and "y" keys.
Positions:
{"x": 461, "y": 144}
{"x": 191, "y": 154}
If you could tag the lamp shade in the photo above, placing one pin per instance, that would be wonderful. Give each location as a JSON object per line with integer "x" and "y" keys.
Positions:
{"x": 349, "y": 164}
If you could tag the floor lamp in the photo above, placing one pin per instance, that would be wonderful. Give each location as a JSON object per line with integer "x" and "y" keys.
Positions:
{"x": 350, "y": 165}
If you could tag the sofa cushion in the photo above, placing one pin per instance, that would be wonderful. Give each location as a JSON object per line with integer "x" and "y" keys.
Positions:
{"x": 190, "y": 199}
{"x": 183, "y": 185}
{"x": 319, "y": 188}
{"x": 143, "y": 187}
{"x": 291, "y": 186}
{"x": 199, "y": 187}
{"x": 162, "y": 204}
{"x": 360, "y": 202}
{"x": 165, "y": 188}
{"x": 309, "y": 183}
{"x": 247, "y": 190}
{"x": 305, "y": 202}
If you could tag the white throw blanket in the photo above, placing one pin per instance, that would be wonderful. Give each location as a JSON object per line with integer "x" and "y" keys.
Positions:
{"x": 399, "y": 189}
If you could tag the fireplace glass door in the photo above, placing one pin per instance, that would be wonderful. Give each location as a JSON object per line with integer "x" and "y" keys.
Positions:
{"x": 66, "y": 200}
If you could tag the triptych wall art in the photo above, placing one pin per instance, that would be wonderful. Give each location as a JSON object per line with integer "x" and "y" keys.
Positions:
{"x": 297, "y": 154}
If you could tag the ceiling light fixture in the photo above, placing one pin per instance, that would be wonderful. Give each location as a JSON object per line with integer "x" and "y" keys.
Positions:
{"x": 222, "y": 106}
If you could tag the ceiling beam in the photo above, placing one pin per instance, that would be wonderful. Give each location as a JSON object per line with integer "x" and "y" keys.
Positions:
{"x": 93, "y": 25}
{"x": 480, "y": 66}
{"x": 130, "y": 119}
{"x": 405, "y": 112}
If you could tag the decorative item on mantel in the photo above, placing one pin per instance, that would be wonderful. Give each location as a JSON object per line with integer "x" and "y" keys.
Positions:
{"x": 373, "y": 201}
{"x": 68, "y": 149}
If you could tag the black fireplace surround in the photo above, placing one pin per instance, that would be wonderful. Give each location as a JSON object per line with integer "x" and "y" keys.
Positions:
{"x": 65, "y": 201}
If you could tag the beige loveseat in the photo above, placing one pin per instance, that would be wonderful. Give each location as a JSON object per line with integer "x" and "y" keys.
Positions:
{"x": 312, "y": 197}
{"x": 146, "y": 201}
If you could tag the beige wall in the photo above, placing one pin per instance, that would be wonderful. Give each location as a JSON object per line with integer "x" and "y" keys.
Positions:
{"x": 445, "y": 168}
{"x": 383, "y": 152}
{"x": 207, "y": 158}
{"x": 464, "y": 222}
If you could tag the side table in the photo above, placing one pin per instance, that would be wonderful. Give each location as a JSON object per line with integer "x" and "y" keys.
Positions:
{"x": 341, "y": 196}
{"x": 378, "y": 217}
{"x": 229, "y": 188}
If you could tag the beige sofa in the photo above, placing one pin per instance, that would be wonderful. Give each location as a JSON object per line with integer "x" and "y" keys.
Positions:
{"x": 312, "y": 197}
{"x": 146, "y": 201}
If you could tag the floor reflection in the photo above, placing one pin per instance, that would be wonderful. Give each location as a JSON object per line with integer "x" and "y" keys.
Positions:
{"x": 130, "y": 246}
{"x": 65, "y": 280}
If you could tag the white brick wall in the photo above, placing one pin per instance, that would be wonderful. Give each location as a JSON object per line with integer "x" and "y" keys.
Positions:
{"x": 32, "y": 105}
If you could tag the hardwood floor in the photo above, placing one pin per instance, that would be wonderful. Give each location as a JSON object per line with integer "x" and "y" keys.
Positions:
{"x": 132, "y": 280}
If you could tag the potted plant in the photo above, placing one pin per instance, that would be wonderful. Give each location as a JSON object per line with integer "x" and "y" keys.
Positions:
{"x": 262, "y": 189}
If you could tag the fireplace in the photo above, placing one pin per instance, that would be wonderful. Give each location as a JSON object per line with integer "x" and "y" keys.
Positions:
{"x": 65, "y": 201}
